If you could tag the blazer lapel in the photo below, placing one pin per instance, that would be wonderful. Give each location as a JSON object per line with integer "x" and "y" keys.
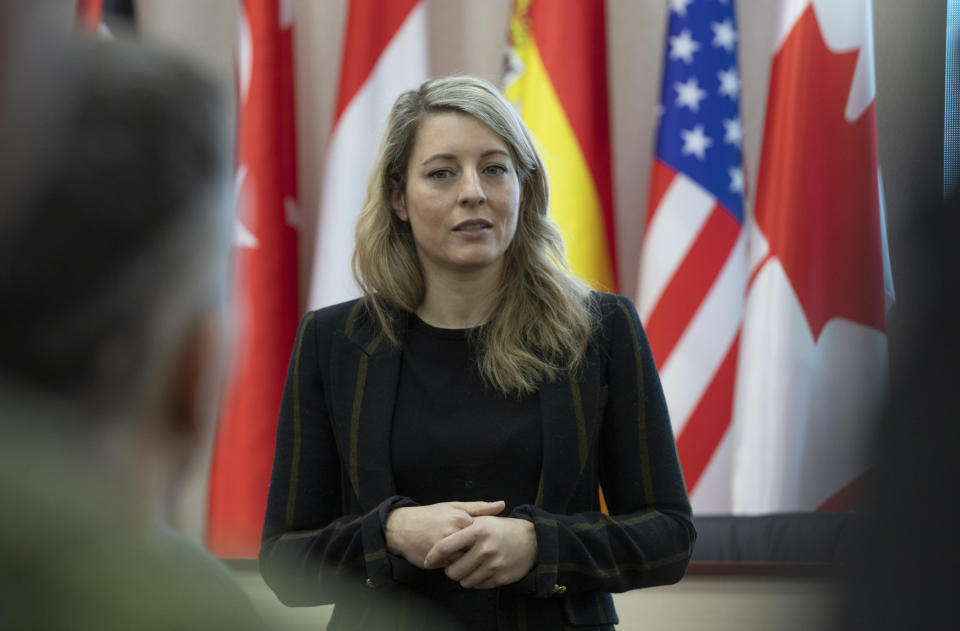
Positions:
{"x": 366, "y": 372}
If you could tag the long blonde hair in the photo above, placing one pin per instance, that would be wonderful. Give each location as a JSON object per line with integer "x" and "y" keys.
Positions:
{"x": 542, "y": 316}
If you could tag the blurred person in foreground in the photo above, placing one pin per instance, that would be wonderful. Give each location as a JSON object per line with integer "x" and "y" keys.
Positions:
{"x": 114, "y": 246}
{"x": 904, "y": 566}
{"x": 475, "y": 368}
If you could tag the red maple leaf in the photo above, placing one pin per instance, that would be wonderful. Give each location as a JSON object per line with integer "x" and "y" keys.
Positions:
{"x": 817, "y": 193}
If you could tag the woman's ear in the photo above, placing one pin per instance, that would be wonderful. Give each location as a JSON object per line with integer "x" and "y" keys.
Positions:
{"x": 399, "y": 203}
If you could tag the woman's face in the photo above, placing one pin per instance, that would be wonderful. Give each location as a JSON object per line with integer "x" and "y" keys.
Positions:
{"x": 462, "y": 195}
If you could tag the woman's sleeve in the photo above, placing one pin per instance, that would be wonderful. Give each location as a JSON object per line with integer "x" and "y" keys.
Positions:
{"x": 648, "y": 537}
{"x": 313, "y": 549}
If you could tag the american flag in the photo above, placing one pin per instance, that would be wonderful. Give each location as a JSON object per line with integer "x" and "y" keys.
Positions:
{"x": 693, "y": 261}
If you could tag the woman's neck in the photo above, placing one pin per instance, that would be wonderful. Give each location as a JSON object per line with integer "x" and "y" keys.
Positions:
{"x": 459, "y": 300}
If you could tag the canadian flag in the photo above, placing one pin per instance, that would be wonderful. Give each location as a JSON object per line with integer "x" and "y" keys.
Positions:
{"x": 384, "y": 53}
{"x": 813, "y": 356}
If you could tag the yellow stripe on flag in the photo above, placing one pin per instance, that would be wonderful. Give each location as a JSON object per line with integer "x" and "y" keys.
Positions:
{"x": 574, "y": 203}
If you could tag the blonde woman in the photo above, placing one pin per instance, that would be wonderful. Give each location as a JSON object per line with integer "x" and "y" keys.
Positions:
{"x": 446, "y": 435}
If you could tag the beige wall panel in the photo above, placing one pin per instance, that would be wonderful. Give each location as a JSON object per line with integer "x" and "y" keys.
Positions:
{"x": 204, "y": 30}
{"x": 467, "y": 37}
{"x": 318, "y": 46}
{"x": 635, "y": 32}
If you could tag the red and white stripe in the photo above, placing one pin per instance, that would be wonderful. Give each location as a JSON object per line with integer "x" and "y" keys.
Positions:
{"x": 384, "y": 53}
{"x": 692, "y": 277}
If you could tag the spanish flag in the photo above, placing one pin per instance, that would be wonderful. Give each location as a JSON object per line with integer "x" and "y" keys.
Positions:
{"x": 556, "y": 75}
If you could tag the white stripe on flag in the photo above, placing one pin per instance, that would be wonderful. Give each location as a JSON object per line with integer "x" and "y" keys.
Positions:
{"x": 693, "y": 363}
{"x": 759, "y": 247}
{"x": 712, "y": 494}
{"x": 680, "y": 216}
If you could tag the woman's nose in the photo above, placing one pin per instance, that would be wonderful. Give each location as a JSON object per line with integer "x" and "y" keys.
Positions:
{"x": 471, "y": 189}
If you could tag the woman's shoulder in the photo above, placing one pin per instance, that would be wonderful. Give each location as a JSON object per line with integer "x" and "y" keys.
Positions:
{"x": 339, "y": 312}
{"x": 611, "y": 305}
{"x": 615, "y": 317}
{"x": 354, "y": 318}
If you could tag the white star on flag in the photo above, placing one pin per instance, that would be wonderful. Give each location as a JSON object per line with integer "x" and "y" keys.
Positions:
{"x": 683, "y": 46}
{"x": 695, "y": 142}
{"x": 690, "y": 94}
{"x": 729, "y": 82}
{"x": 679, "y": 6}
{"x": 724, "y": 35}
{"x": 736, "y": 179}
{"x": 734, "y": 131}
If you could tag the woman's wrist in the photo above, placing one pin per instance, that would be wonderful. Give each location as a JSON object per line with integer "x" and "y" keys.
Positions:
{"x": 393, "y": 530}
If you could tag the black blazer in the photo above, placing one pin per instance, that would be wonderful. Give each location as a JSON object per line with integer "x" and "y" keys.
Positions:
{"x": 332, "y": 485}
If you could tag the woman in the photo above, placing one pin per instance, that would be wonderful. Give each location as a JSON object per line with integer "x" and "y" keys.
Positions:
{"x": 474, "y": 368}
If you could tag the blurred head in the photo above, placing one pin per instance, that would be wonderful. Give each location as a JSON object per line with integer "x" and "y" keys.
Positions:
{"x": 385, "y": 259}
{"x": 114, "y": 230}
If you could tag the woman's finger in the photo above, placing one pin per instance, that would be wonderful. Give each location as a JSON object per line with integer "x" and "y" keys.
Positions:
{"x": 442, "y": 553}
{"x": 468, "y": 564}
{"x": 479, "y": 576}
{"x": 481, "y": 508}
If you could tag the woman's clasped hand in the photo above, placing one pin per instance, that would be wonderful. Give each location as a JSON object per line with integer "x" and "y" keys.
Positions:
{"x": 469, "y": 540}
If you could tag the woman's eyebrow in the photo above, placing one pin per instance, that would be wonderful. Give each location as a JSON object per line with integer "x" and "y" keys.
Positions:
{"x": 450, "y": 156}
{"x": 439, "y": 156}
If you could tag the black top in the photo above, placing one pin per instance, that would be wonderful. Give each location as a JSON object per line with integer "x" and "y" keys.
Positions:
{"x": 455, "y": 439}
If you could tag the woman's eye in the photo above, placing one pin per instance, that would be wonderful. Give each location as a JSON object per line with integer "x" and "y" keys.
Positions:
{"x": 495, "y": 169}
{"x": 440, "y": 174}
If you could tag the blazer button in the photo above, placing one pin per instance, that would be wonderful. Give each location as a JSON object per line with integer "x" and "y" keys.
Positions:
{"x": 559, "y": 590}
{"x": 370, "y": 583}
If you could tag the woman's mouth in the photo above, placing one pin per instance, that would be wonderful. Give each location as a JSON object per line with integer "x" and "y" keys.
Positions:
{"x": 472, "y": 225}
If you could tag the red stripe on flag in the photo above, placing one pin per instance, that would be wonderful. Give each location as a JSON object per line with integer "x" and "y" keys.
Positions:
{"x": 371, "y": 24}
{"x": 702, "y": 434}
{"x": 571, "y": 39}
{"x": 691, "y": 282}
{"x": 661, "y": 177}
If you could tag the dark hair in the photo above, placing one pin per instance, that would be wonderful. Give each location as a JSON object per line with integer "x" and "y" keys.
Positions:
{"x": 113, "y": 226}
